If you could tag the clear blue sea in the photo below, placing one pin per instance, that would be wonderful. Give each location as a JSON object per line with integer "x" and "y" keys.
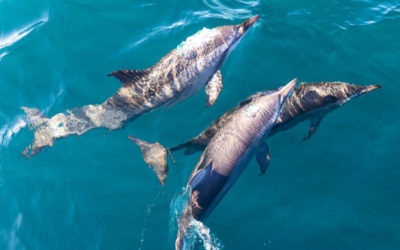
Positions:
{"x": 338, "y": 190}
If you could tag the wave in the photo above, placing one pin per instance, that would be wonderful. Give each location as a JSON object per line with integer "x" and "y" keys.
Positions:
{"x": 9, "y": 39}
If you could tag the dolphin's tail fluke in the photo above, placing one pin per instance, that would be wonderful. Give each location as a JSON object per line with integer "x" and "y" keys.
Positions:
{"x": 43, "y": 136}
{"x": 155, "y": 155}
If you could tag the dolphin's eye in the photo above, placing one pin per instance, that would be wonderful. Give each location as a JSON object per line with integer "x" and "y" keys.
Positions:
{"x": 241, "y": 30}
{"x": 190, "y": 54}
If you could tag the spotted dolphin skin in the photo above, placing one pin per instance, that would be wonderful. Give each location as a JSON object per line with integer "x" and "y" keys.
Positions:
{"x": 309, "y": 102}
{"x": 177, "y": 76}
{"x": 228, "y": 154}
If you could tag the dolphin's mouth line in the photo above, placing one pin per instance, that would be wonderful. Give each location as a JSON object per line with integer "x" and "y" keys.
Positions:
{"x": 246, "y": 25}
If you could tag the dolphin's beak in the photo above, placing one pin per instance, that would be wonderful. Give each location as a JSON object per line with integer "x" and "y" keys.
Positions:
{"x": 286, "y": 90}
{"x": 245, "y": 26}
{"x": 369, "y": 88}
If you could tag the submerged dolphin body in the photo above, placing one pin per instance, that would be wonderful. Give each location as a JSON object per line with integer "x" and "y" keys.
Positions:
{"x": 309, "y": 101}
{"x": 177, "y": 76}
{"x": 228, "y": 154}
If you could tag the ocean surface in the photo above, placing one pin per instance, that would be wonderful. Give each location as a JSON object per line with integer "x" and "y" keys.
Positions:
{"x": 338, "y": 190}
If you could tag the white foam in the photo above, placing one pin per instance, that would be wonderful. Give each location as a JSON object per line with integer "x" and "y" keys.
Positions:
{"x": 203, "y": 233}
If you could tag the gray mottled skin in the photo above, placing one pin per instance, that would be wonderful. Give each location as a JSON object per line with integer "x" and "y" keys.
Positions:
{"x": 177, "y": 76}
{"x": 229, "y": 152}
{"x": 309, "y": 101}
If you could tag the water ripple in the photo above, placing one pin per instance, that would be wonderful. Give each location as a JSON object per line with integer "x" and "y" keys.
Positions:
{"x": 8, "y": 130}
{"x": 217, "y": 9}
{"x": 12, "y": 236}
{"x": 9, "y": 39}
{"x": 157, "y": 31}
{"x": 374, "y": 12}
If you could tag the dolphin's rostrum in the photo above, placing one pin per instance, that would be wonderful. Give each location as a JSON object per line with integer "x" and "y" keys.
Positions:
{"x": 177, "y": 76}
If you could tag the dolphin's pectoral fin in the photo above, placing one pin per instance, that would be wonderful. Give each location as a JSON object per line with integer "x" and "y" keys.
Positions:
{"x": 313, "y": 127}
{"x": 127, "y": 76}
{"x": 155, "y": 155}
{"x": 213, "y": 88}
{"x": 263, "y": 157}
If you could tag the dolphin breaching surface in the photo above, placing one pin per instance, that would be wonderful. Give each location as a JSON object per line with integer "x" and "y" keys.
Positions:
{"x": 211, "y": 124}
{"x": 180, "y": 74}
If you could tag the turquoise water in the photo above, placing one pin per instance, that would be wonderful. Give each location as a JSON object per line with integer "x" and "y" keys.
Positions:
{"x": 339, "y": 190}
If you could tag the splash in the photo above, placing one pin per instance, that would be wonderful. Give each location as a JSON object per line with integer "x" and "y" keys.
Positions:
{"x": 196, "y": 234}
{"x": 147, "y": 214}
{"x": 203, "y": 235}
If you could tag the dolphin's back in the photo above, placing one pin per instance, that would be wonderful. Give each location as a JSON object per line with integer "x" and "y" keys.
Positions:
{"x": 153, "y": 87}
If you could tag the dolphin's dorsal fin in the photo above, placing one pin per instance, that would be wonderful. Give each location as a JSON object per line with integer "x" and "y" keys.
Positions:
{"x": 127, "y": 76}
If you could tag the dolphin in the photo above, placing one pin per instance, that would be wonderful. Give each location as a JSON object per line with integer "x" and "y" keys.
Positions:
{"x": 194, "y": 63}
{"x": 309, "y": 102}
{"x": 228, "y": 154}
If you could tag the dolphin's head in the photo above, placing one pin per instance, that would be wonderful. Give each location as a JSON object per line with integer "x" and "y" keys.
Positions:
{"x": 315, "y": 95}
{"x": 235, "y": 33}
{"x": 210, "y": 47}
